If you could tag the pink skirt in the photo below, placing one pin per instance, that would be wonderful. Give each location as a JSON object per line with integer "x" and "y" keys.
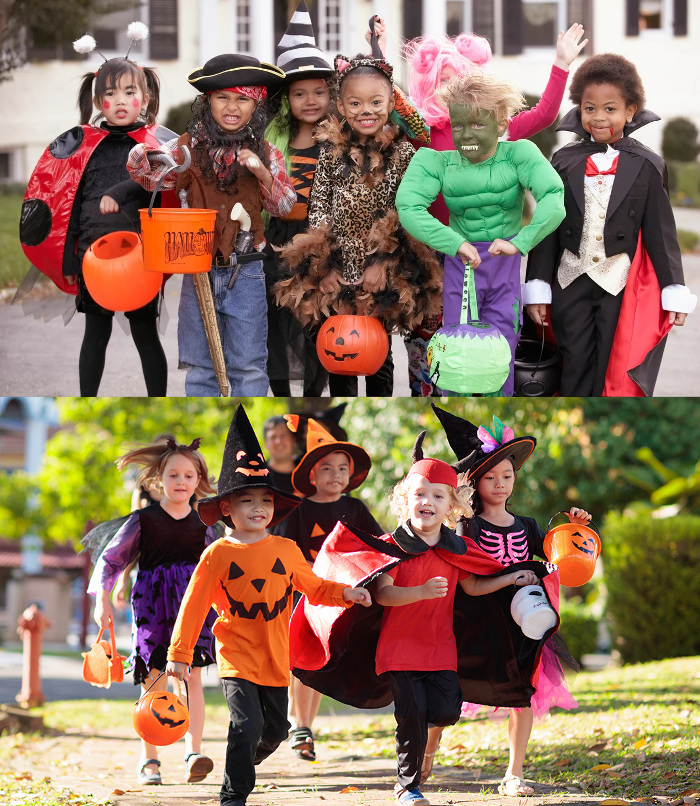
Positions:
{"x": 550, "y": 690}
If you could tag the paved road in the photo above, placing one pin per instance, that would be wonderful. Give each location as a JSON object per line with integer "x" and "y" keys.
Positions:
{"x": 38, "y": 358}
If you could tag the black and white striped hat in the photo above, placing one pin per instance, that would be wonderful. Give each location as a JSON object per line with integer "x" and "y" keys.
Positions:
{"x": 298, "y": 54}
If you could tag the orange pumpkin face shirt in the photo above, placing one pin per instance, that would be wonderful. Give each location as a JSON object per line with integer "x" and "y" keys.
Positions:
{"x": 250, "y": 585}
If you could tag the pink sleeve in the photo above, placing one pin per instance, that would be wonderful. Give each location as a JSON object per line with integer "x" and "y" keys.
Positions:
{"x": 545, "y": 112}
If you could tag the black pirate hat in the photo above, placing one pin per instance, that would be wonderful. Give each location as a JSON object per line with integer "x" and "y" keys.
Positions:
{"x": 319, "y": 443}
{"x": 297, "y": 52}
{"x": 244, "y": 467}
{"x": 235, "y": 70}
{"x": 478, "y": 449}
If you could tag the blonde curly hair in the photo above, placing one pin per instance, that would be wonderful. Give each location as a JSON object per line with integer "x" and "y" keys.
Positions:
{"x": 460, "y": 500}
{"x": 482, "y": 91}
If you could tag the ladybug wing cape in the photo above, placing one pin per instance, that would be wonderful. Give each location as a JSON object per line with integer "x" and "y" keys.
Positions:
{"x": 51, "y": 191}
{"x": 333, "y": 649}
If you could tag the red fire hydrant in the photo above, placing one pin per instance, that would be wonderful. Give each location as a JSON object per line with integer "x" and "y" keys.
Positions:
{"x": 31, "y": 625}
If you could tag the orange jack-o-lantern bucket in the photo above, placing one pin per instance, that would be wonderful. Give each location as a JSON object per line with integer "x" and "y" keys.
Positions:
{"x": 114, "y": 273}
{"x": 574, "y": 548}
{"x": 160, "y": 718}
{"x": 352, "y": 345}
{"x": 177, "y": 241}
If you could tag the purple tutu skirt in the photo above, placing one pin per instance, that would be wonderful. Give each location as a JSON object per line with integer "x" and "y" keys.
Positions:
{"x": 550, "y": 690}
{"x": 155, "y": 599}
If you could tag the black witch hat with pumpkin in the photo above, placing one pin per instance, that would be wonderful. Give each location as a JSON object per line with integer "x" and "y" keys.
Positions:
{"x": 244, "y": 467}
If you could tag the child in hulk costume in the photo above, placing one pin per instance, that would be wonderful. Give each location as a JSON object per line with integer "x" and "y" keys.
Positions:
{"x": 482, "y": 182}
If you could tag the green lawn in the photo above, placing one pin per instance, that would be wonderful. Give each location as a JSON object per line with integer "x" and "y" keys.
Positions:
{"x": 13, "y": 263}
{"x": 634, "y": 735}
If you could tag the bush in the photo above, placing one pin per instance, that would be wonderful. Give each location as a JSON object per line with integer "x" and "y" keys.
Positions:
{"x": 547, "y": 138}
{"x": 680, "y": 140}
{"x": 688, "y": 240}
{"x": 684, "y": 183}
{"x": 652, "y": 575}
{"x": 579, "y": 628}
{"x": 178, "y": 117}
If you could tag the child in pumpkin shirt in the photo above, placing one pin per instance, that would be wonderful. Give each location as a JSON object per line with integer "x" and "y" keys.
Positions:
{"x": 249, "y": 577}
{"x": 328, "y": 470}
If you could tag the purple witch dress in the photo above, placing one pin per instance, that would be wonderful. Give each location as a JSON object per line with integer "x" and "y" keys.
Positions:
{"x": 169, "y": 550}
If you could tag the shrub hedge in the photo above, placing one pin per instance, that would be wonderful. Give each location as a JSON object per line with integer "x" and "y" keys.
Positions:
{"x": 579, "y": 628}
{"x": 652, "y": 572}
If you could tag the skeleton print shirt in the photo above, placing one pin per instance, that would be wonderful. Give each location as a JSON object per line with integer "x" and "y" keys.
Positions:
{"x": 520, "y": 542}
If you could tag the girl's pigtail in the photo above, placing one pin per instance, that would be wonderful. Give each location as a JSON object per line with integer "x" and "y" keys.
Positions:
{"x": 85, "y": 105}
{"x": 153, "y": 85}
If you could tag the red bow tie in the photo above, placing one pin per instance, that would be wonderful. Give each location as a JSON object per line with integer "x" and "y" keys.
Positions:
{"x": 592, "y": 170}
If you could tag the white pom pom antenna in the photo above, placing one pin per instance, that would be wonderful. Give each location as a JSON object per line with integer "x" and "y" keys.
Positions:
{"x": 137, "y": 32}
{"x": 86, "y": 44}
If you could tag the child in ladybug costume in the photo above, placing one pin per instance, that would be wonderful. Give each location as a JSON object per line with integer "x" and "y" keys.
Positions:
{"x": 118, "y": 106}
{"x": 440, "y": 626}
{"x": 249, "y": 577}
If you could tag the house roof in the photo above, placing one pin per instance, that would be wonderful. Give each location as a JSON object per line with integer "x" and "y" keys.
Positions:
{"x": 57, "y": 558}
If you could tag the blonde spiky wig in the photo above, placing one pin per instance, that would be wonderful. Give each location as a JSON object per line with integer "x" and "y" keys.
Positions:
{"x": 482, "y": 91}
{"x": 460, "y": 499}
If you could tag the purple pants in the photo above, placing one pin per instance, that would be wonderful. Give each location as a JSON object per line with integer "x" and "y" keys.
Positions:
{"x": 497, "y": 281}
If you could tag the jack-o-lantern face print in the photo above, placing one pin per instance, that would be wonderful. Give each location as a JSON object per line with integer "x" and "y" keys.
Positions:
{"x": 352, "y": 345}
{"x": 250, "y": 595}
{"x": 253, "y": 467}
{"x": 160, "y": 718}
{"x": 585, "y": 544}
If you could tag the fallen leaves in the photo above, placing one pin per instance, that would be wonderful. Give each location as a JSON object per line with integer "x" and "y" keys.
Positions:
{"x": 601, "y": 767}
{"x": 349, "y": 789}
{"x": 641, "y": 743}
{"x": 613, "y": 802}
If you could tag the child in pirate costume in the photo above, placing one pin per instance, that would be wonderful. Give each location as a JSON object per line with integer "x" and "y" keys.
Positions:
{"x": 494, "y": 458}
{"x": 325, "y": 474}
{"x": 482, "y": 182}
{"x": 294, "y": 112}
{"x": 232, "y": 163}
{"x": 445, "y": 630}
{"x": 355, "y": 257}
{"x": 249, "y": 576}
{"x": 612, "y": 271}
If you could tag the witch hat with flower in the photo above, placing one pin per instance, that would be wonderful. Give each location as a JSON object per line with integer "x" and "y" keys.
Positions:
{"x": 244, "y": 467}
{"x": 297, "y": 52}
{"x": 320, "y": 443}
{"x": 478, "y": 449}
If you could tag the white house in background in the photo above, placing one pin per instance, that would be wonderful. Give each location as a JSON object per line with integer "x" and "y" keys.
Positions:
{"x": 662, "y": 37}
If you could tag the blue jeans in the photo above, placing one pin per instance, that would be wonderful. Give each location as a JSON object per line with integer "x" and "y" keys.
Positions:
{"x": 242, "y": 315}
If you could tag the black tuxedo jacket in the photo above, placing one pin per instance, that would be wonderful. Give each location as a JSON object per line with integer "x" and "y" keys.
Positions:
{"x": 638, "y": 200}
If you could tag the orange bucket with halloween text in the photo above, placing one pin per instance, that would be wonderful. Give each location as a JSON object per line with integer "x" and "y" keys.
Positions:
{"x": 177, "y": 241}
{"x": 160, "y": 717}
{"x": 574, "y": 548}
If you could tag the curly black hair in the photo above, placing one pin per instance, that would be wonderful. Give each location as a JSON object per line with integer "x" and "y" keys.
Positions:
{"x": 208, "y": 142}
{"x": 609, "y": 68}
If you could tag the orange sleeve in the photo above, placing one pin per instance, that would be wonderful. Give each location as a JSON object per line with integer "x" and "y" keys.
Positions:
{"x": 318, "y": 591}
{"x": 199, "y": 597}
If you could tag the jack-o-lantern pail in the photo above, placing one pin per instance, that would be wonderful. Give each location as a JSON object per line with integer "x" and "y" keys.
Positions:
{"x": 114, "y": 274}
{"x": 352, "y": 345}
{"x": 160, "y": 718}
{"x": 177, "y": 241}
{"x": 574, "y": 548}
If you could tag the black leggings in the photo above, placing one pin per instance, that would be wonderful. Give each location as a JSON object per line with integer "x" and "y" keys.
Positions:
{"x": 98, "y": 330}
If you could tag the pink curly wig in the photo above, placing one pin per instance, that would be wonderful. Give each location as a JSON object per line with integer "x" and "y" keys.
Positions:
{"x": 427, "y": 56}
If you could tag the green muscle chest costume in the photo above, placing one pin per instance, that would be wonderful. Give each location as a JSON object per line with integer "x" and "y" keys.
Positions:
{"x": 485, "y": 199}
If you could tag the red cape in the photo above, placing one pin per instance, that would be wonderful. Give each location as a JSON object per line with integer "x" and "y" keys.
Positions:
{"x": 640, "y": 337}
{"x": 51, "y": 191}
{"x": 332, "y": 649}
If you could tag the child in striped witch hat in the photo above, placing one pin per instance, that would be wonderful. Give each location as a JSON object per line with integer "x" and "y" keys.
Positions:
{"x": 301, "y": 103}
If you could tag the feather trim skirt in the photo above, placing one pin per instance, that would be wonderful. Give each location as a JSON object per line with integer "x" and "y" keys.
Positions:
{"x": 414, "y": 277}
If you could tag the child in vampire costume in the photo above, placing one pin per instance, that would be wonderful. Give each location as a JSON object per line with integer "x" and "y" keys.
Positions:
{"x": 249, "y": 578}
{"x": 352, "y": 656}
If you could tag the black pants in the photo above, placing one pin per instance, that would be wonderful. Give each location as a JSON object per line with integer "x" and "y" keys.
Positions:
{"x": 584, "y": 318}
{"x": 381, "y": 384}
{"x": 421, "y": 698}
{"x": 257, "y": 728}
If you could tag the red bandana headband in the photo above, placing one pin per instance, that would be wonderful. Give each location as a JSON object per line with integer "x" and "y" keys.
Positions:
{"x": 435, "y": 471}
{"x": 256, "y": 93}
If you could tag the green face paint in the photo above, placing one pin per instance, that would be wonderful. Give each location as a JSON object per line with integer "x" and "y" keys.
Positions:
{"x": 475, "y": 132}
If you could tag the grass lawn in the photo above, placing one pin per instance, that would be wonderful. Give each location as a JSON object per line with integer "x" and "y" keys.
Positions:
{"x": 13, "y": 264}
{"x": 634, "y": 737}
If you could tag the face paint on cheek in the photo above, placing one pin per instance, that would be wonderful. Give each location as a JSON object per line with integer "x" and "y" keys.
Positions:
{"x": 106, "y": 105}
{"x": 136, "y": 103}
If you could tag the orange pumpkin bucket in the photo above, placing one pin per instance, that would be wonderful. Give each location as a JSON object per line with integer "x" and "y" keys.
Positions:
{"x": 102, "y": 665}
{"x": 352, "y": 345}
{"x": 160, "y": 718}
{"x": 574, "y": 548}
{"x": 114, "y": 274}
